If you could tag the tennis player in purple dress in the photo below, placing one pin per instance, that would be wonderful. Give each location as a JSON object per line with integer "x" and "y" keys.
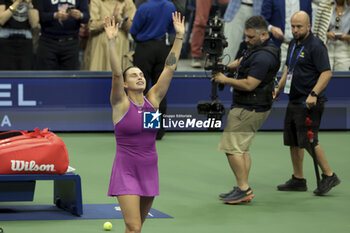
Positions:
{"x": 134, "y": 179}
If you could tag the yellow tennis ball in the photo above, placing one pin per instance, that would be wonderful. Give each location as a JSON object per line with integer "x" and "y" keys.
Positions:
{"x": 107, "y": 226}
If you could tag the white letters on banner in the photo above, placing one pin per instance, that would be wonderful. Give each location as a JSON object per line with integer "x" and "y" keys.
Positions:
{"x": 5, "y": 96}
{"x": 6, "y": 121}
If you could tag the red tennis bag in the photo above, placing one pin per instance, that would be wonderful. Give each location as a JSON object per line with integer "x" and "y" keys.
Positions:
{"x": 41, "y": 151}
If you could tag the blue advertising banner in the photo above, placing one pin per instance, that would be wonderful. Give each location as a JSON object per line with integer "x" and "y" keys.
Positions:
{"x": 79, "y": 101}
{"x": 60, "y": 103}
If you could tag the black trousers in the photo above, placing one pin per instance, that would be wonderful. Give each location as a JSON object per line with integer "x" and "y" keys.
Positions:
{"x": 58, "y": 55}
{"x": 16, "y": 54}
{"x": 150, "y": 57}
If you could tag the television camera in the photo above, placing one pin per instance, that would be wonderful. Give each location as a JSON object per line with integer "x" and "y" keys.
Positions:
{"x": 213, "y": 47}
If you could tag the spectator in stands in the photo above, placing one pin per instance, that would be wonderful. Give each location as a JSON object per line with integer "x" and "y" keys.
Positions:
{"x": 237, "y": 12}
{"x": 304, "y": 80}
{"x": 139, "y": 2}
{"x": 96, "y": 54}
{"x": 180, "y": 5}
{"x": 151, "y": 49}
{"x": 338, "y": 35}
{"x": 60, "y": 23}
{"x": 278, "y": 14}
{"x": 314, "y": 5}
{"x": 322, "y": 19}
{"x": 83, "y": 39}
{"x": 198, "y": 30}
{"x": 17, "y": 18}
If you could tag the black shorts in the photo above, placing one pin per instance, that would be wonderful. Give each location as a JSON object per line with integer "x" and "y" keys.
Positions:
{"x": 295, "y": 128}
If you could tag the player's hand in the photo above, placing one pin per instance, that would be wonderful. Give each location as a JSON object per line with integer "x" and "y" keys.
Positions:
{"x": 179, "y": 24}
{"x": 111, "y": 28}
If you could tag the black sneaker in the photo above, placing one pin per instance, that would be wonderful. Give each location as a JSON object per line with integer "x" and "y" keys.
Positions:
{"x": 326, "y": 184}
{"x": 238, "y": 196}
{"x": 294, "y": 184}
{"x": 223, "y": 195}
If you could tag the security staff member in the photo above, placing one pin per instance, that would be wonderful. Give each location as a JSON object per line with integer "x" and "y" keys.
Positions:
{"x": 305, "y": 80}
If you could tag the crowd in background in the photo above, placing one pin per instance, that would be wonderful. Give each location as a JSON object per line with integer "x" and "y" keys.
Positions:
{"x": 69, "y": 35}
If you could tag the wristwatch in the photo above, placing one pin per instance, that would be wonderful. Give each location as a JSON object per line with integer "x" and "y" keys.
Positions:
{"x": 313, "y": 94}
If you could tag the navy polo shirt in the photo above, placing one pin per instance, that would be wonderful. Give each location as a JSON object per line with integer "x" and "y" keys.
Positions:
{"x": 313, "y": 60}
{"x": 152, "y": 20}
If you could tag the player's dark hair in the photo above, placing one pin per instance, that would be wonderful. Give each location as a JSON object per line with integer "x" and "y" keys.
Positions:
{"x": 128, "y": 68}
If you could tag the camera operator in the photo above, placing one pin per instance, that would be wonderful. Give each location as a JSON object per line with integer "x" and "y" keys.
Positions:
{"x": 252, "y": 101}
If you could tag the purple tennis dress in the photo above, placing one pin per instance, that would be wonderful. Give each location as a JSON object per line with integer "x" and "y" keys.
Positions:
{"x": 135, "y": 169}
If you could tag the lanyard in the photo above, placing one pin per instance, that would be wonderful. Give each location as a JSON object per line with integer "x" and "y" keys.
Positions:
{"x": 296, "y": 60}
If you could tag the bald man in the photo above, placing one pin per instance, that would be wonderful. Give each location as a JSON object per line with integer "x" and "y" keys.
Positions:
{"x": 306, "y": 75}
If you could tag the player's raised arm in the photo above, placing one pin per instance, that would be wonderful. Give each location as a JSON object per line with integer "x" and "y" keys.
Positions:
{"x": 159, "y": 90}
{"x": 117, "y": 92}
